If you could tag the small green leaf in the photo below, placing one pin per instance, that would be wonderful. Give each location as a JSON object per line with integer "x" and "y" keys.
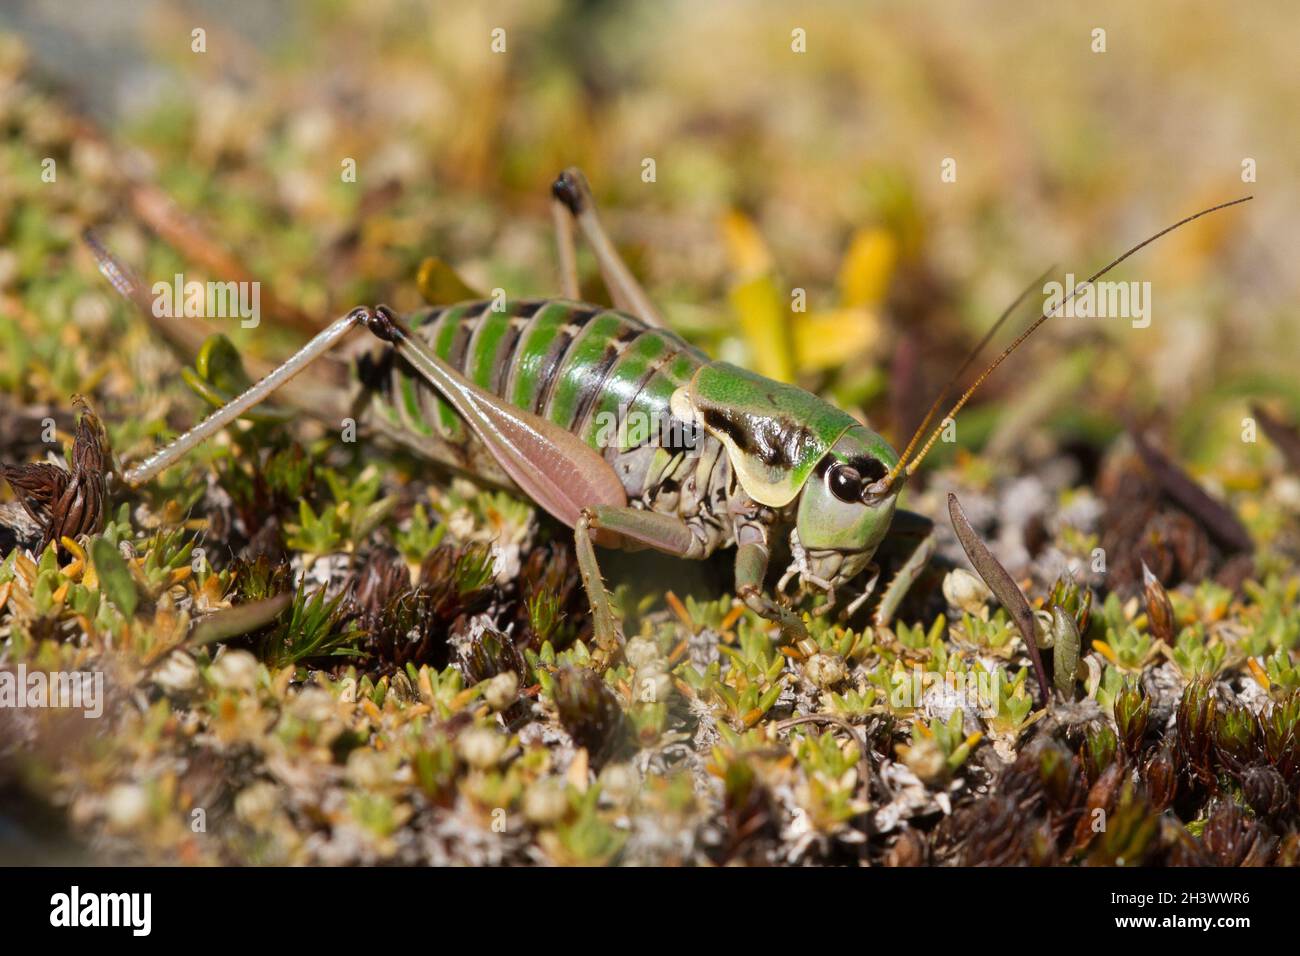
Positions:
{"x": 114, "y": 576}
{"x": 1065, "y": 653}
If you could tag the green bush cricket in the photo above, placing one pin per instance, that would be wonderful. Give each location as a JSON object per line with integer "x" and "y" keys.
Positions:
{"x": 629, "y": 435}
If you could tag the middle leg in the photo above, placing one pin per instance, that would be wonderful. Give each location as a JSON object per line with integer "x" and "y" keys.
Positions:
{"x": 661, "y": 532}
{"x": 751, "y": 570}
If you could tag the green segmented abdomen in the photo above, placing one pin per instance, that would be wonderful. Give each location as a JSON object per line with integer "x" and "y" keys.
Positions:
{"x": 577, "y": 365}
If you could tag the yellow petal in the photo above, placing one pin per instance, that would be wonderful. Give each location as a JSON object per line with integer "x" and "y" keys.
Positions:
{"x": 440, "y": 284}
{"x": 765, "y": 323}
{"x": 1106, "y": 651}
{"x": 867, "y": 267}
{"x": 824, "y": 340}
{"x": 1260, "y": 675}
{"x": 746, "y": 251}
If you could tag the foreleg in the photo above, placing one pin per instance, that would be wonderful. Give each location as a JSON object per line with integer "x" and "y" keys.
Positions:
{"x": 751, "y": 571}
{"x": 907, "y": 525}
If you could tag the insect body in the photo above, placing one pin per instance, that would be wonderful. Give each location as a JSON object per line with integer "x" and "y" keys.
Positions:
{"x": 730, "y": 455}
{"x": 572, "y": 364}
{"x": 623, "y": 431}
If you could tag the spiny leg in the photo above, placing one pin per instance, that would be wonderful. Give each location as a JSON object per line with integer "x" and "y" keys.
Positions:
{"x": 906, "y": 524}
{"x": 571, "y": 189}
{"x": 673, "y": 536}
{"x": 661, "y": 532}
{"x": 169, "y": 454}
{"x": 604, "y": 626}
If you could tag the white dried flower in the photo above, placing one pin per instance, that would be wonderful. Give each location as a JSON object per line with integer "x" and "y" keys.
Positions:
{"x": 235, "y": 670}
{"x": 965, "y": 592}
{"x": 314, "y": 705}
{"x": 653, "y": 684}
{"x": 369, "y": 769}
{"x": 641, "y": 652}
{"x": 481, "y": 747}
{"x": 126, "y": 806}
{"x": 824, "y": 670}
{"x": 177, "y": 674}
{"x": 256, "y": 803}
{"x": 501, "y": 691}
{"x": 620, "y": 783}
{"x": 546, "y": 802}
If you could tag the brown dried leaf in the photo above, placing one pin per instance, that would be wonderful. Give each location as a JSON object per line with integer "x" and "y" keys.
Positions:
{"x": 1285, "y": 437}
{"x": 1001, "y": 584}
{"x": 1217, "y": 518}
{"x": 63, "y": 503}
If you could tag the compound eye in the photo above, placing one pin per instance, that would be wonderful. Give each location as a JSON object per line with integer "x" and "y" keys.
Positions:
{"x": 844, "y": 482}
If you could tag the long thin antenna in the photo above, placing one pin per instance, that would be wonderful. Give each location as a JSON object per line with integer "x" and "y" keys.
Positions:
{"x": 961, "y": 402}
{"x": 188, "y": 338}
{"x": 956, "y": 376}
{"x": 125, "y": 281}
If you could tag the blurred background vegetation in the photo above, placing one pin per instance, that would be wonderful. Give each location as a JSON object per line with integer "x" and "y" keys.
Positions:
{"x": 773, "y": 170}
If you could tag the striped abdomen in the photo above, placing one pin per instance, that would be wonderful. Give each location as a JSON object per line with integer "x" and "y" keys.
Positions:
{"x": 577, "y": 365}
